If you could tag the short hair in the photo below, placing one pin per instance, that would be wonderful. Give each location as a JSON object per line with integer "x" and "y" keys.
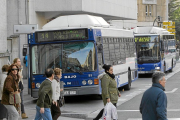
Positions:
{"x": 5, "y": 68}
{"x": 57, "y": 71}
{"x": 10, "y": 68}
{"x": 157, "y": 76}
{"x": 49, "y": 72}
{"x": 15, "y": 60}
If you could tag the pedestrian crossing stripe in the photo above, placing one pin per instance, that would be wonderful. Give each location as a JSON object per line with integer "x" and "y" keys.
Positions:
{"x": 141, "y": 119}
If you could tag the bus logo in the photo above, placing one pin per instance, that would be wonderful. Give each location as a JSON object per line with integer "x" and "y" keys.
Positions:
{"x": 72, "y": 76}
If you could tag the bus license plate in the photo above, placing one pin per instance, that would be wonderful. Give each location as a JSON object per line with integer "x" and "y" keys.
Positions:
{"x": 69, "y": 92}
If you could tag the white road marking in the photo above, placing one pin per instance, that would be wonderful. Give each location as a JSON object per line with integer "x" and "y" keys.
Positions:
{"x": 174, "y": 90}
{"x": 169, "y": 110}
{"x": 121, "y": 100}
{"x": 141, "y": 119}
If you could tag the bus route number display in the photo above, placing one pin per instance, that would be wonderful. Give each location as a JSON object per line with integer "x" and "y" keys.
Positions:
{"x": 62, "y": 35}
{"x": 142, "y": 39}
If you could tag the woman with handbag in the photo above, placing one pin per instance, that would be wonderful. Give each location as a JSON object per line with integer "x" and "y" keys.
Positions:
{"x": 11, "y": 91}
{"x": 55, "y": 109}
{"x": 110, "y": 93}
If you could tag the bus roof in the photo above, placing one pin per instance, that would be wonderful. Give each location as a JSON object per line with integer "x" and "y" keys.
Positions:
{"x": 114, "y": 32}
{"x": 150, "y": 30}
{"x": 85, "y": 21}
{"x": 74, "y": 21}
{"x": 145, "y": 34}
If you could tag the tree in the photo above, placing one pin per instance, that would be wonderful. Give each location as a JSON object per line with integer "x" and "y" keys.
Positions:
{"x": 174, "y": 15}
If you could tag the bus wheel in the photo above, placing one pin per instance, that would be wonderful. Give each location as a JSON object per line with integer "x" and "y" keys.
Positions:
{"x": 171, "y": 67}
{"x": 128, "y": 86}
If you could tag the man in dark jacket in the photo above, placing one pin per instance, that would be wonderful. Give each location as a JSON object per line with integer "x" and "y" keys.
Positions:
{"x": 154, "y": 101}
{"x": 45, "y": 97}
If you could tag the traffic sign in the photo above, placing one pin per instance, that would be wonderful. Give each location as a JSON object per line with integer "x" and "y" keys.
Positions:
{"x": 172, "y": 30}
{"x": 173, "y": 23}
{"x": 170, "y": 26}
{"x": 166, "y": 23}
{"x": 173, "y": 33}
{"x": 164, "y": 27}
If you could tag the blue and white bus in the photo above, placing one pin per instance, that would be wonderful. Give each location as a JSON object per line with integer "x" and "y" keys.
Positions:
{"x": 80, "y": 45}
{"x": 152, "y": 45}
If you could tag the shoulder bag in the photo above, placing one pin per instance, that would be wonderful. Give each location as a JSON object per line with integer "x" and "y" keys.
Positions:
{"x": 14, "y": 98}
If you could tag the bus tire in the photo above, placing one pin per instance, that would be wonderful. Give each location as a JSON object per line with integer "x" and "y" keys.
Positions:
{"x": 128, "y": 86}
{"x": 171, "y": 66}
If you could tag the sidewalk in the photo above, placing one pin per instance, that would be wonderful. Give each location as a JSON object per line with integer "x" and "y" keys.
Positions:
{"x": 29, "y": 103}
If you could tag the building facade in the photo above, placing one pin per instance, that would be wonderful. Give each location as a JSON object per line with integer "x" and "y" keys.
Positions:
{"x": 4, "y": 53}
{"x": 22, "y": 12}
{"x": 149, "y": 10}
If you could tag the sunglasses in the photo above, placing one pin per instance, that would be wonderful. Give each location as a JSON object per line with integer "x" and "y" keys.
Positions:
{"x": 14, "y": 69}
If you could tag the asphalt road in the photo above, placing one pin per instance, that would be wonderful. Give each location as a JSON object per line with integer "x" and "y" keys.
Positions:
{"x": 81, "y": 107}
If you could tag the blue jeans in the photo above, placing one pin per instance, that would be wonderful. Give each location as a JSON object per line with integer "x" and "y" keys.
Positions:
{"x": 46, "y": 115}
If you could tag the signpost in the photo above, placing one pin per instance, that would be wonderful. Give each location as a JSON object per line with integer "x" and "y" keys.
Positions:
{"x": 169, "y": 26}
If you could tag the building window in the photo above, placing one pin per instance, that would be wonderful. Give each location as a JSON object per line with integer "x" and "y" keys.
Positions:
{"x": 146, "y": 10}
{"x": 150, "y": 10}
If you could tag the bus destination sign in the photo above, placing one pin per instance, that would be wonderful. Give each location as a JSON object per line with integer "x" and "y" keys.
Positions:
{"x": 62, "y": 35}
{"x": 142, "y": 39}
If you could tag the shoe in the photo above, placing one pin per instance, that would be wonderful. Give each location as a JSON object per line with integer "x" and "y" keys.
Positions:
{"x": 24, "y": 116}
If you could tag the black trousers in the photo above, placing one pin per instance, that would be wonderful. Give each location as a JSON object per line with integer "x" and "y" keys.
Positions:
{"x": 101, "y": 113}
{"x": 3, "y": 111}
{"x": 55, "y": 111}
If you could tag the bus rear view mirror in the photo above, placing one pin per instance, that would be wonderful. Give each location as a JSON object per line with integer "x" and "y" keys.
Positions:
{"x": 24, "y": 51}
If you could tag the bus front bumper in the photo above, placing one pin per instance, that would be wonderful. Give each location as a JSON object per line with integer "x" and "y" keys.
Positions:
{"x": 73, "y": 91}
{"x": 83, "y": 90}
{"x": 146, "y": 72}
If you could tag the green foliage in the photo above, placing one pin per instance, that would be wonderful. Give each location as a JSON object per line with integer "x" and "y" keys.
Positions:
{"x": 174, "y": 15}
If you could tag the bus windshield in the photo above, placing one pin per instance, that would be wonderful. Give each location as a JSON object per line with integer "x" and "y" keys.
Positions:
{"x": 171, "y": 43}
{"x": 70, "y": 57}
{"x": 148, "y": 50}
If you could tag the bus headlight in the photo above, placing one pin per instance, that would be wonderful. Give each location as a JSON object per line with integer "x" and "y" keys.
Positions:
{"x": 90, "y": 82}
{"x": 84, "y": 82}
{"x": 38, "y": 85}
{"x": 157, "y": 68}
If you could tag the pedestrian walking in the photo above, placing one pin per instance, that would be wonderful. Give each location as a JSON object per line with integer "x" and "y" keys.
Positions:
{"x": 55, "y": 109}
{"x": 3, "y": 76}
{"x": 21, "y": 87}
{"x": 110, "y": 92}
{"x": 11, "y": 87}
{"x": 45, "y": 97}
{"x": 154, "y": 101}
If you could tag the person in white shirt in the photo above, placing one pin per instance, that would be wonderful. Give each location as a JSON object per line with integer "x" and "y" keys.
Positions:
{"x": 55, "y": 109}
{"x": 3, "y": 110}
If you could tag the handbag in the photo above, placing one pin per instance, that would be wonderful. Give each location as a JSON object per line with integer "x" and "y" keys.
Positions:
{"x": 21, "y": 86}
{"x": 61, "y": 101}
{"x": 14, "y": 99}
